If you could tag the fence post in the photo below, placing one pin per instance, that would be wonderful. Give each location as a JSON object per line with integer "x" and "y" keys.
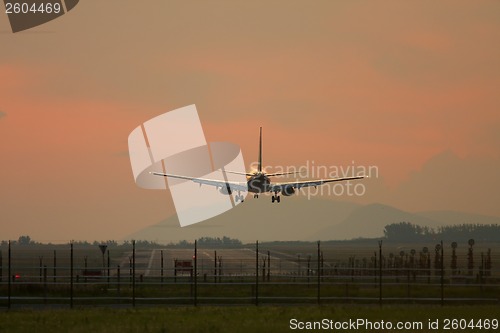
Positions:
{"x": 175, "y": 270}
{"x": 108, "y": 267}
{"x": 40, "y": 268}
{"x": 442, "y": 274}
{"x": 161, "y": 267}
{"x": 130, "y": 271}
{"x": 319, "y": 274}
{"x": 268, "y": 266}
{"x": 45, "y": 284}
{"x": 308, "y": 270}
{"x": 71, "y": 277}
{"x": 380, "y": 272}
{"x": 133, "y": 273}
{"x": 85, "y": 265}
{"x": 118, "y": 282}
{"x": 215, "y": 266}
{"x": 481, "y": 273}
{"x": 195, "y": 273}
{"x": 9, "y": 269}
{"x": 256, "y": 273}
{"x": 264, "y": 259}
{"x": 55, "y": 265}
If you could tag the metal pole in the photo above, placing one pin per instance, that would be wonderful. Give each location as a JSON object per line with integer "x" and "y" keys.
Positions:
{"x": 55, "y": 265}
{"x": 71, "y": 277}
{"x": 85, "y": 270}
{"x": 442, "y": 274}
{"x": 319, "y": 274}
{"x": 9, "y": 291}
{"x": 308, "y": 269}
{"x": 268, "y": 265}
{"x": 215, "y": 266}
{"x": 108, "y": 267}
{"x": 481, "y": 271}
{"x": 1, "y": 267}
{"x": 161, "y": 266}
{"x": 264, "y": 269}
{"x": 40, "y": 266}
{"x": 195, "y": 273}
{"x": 380, "y": 272}
{"x": 103, "y": 265}
{"x": 118, "y": 282}
{"x": 257, "y": 273}
{"x": 45, "y": 284}
{"x": 133, "y": 273}
{"x": 130, "y": 270}
{"x": 175, "y": 270}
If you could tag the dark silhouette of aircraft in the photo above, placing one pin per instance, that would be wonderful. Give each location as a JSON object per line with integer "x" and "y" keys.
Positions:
{"x": 259, "y": 182}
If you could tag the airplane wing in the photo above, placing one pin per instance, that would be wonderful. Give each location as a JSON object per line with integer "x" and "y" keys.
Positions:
{"x": 282, "y": 173}
{"x": 240, "y": 173}
{"x": 249, "y": 174}
{"x": 278, "y": 187}
{"x": 234, "y": 186}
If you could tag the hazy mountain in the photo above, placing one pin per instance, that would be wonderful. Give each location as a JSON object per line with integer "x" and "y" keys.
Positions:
{"x": 369, "y": 221}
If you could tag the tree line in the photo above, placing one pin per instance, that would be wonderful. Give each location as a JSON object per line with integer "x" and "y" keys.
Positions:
{"x": 409, "y": 232}
{"x": 206, "y": 242}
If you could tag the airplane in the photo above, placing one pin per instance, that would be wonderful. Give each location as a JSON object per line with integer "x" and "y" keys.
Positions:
{"x": 258, "y": 182}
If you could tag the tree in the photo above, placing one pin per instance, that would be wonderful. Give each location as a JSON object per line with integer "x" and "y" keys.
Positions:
{"x": 405, "y": 231}
{"x": 25, "y": 240}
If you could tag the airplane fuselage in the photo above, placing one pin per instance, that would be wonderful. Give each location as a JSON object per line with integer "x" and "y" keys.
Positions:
{"x": 258, "y": 183}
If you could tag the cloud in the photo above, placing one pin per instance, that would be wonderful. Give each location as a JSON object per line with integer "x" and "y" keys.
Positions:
{"x": 2, "y": 114}
{"x": 448, "y": 182}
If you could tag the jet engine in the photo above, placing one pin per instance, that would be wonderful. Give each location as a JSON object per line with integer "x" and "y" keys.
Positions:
{"x": 288, "y": 191}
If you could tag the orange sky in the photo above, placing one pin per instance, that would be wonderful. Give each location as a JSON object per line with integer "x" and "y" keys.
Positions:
{"x": 390, "y": 83}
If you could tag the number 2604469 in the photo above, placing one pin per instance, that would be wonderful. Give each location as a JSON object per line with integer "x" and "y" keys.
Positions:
{"x": 35, "y": 8}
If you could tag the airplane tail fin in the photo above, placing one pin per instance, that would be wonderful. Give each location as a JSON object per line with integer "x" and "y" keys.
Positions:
{"x": 260, "y": 152}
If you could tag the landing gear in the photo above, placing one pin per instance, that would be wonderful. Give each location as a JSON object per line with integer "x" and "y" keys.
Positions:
{"x": 276, "y": 198}
{"x": 239, "y": 197}
{"x": 255, "y": 196}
